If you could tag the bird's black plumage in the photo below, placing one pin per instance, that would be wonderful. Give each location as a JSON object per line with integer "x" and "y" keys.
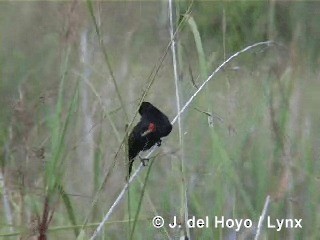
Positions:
{"x": 153, "y": 125}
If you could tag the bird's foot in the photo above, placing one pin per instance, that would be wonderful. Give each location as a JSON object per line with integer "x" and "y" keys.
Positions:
{"x": 159, "y": 143}
{"x": 144, "y": 160}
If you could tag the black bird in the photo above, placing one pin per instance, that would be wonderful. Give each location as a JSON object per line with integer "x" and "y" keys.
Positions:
{"x": 152, "y": 127}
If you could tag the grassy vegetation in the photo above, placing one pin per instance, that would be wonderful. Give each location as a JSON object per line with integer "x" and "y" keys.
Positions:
{"x": 73, "y": 75}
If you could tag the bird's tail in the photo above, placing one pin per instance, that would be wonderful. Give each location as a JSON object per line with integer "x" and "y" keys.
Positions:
{"x": 130, "y": 167}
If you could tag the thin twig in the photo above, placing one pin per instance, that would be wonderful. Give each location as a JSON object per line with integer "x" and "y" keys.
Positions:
{"x": 262, "y": 217}
{"x": 106, "y": 56}
{"x": 116, "y": 202}
{"x": 136, "y": 173}
{"x": 184, "y": 200}
{"x": 217, "y": 70}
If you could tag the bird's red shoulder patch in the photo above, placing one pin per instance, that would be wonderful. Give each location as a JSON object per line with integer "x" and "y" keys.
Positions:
{"x": 152, "y": 127}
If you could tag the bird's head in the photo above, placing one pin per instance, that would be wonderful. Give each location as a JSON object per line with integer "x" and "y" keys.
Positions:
{"x": 145, "y": 107}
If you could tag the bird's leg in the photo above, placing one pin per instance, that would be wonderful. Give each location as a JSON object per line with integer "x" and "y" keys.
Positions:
{"x": 159, "y": 143}
{"x": 144, "y": 160}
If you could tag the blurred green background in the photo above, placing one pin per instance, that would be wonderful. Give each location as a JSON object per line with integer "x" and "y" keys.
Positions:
{"x": 252, "y": 132}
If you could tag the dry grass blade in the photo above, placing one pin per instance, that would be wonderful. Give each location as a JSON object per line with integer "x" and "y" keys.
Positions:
{"x": 262, "y": 217}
